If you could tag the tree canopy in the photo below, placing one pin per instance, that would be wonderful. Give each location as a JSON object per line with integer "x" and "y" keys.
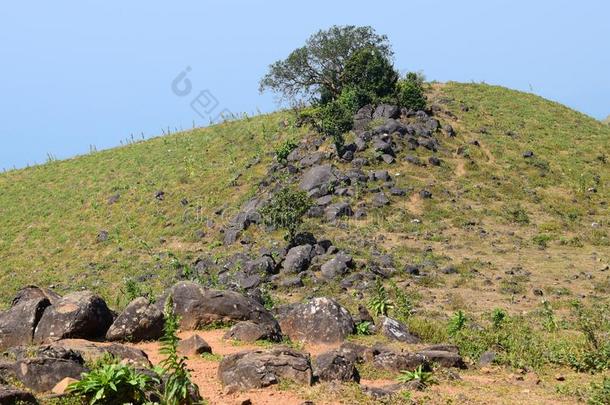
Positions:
{"x": 315, "y": 70}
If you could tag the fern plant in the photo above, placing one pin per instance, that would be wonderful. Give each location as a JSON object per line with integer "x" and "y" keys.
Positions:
{"x": 177, "y": 377}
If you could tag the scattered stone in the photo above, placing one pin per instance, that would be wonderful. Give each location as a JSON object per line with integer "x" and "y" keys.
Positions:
{"x": 337, "y": 266}
{"x": 528, "y": 154}
{"x": 414, "y": 160}
{"x": 333, "y": 366}
{"x": 380, "y": 200}
{"x": 425, "y": 194}
{"x": 77, "y": 315}
{"x": 160, "y": 195}
{"x": 487, "y": 358}
{"x": 387, "y": 158}
{"x": 449, "y": 130}
{"x": 250, "y": 332}
{"x": 399, "y": 192}
{"x": 443, "y": 358}
{"x": 316, "y": 177}
{"x": 396, "y": 362}
{"x": 413, "y": 269}
{"x": 259, "y": 369}
{"x": 395, "y": 330}
{"x": 102, "y": 236}
{"x": 139, "y": 321}
{"x": 41, "y": 374}
{"x": 434, "y": 161}
{"x": 297, "y": 259}
{"x": 114, "y": 198}
{"x": 386, "y": 111}
{"x": 194, "y": 346}
{"x": 363, "y": 117}
{"x": 32, "y": 292}
{"x": 337, "y": 210}
{"x": 320, "y": 320}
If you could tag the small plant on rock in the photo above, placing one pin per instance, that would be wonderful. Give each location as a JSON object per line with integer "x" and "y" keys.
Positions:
{"x": 284, "y": 149}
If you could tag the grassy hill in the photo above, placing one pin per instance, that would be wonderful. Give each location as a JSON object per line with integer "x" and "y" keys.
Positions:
{"x": 607, "y": 120}
{"x": 518, "y": 220}
{"x": 51, "y": 215}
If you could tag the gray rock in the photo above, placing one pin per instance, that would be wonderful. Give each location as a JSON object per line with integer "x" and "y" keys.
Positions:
{"x": 334, "y": 366}
{"x": 198, "y": 306}
{"x": 320, "y": 320}
{"x": 247, "y": 331}
{"x": 77, "y": 315}
{"x": 396, "y": 362}
{"x": 45, "y": 370}
{"x": 363, "y": 117}
{"x": 297, "y": 259}
{"x": 395, "y": 330}
{"x": 337, "y": 266}
{"x": 257, "y": 369}
{"x": 443, "y": 358}
{"x": 194, "y": 346}
{"x": 34, "y": 292}
{"x": 139, "y": 321}
{"x": 18, "y": 323}
{"x": 317, "y": 176}
{"x": 380, "y": 200}
{"x": 425, "y": 194}
{"x": 337, "y": 210}
{"x": 434, "y": 161}
{"x": 12, "y": 396}
{"x": 386, "y": 111}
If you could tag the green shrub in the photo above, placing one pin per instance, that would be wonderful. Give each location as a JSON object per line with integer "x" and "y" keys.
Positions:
{"x": 498, "y": 316}
{"x": 456, "y": 323}
{"x": 424, "y": 377}
{"x": 286, "y": 210}
{"x": 284, "y": 149}
{"x": 112, "y": 384}
{"x": 333, "y": 120}
{"x": 369, "y": 73}
{"x": 410, "y": 92}
{"x": 363, "y": 328}
{"x": 600, "y": 393}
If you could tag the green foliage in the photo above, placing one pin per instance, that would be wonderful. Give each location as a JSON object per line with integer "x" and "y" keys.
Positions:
{"x": 593, "y": 322}
{"x": 403, "y": 307}
{"x": 456, "y": 323}
{"x": 314, "y": 71}
{"x": 363, "y": 328}
{"x": 517, "y": 214}
{"x": 370, "y": 74}
{"x": 177, "y": 378}
{"x": 286, "y": 210}
{"x": 410, "y": 92}
{"x": 380, "y": 303}
{"x": 498, "y": 316}
{"x": 112, "y": 384}
{"x": 600, "y": 393}
{"x": 424, "y": 377}
{"x": 284, "y": 149}
{"x": 549, "y": 322}
{"x": 333, "y": 120}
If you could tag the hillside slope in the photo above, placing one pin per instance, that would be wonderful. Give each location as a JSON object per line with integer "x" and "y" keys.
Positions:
{"x": 51, "y": 215}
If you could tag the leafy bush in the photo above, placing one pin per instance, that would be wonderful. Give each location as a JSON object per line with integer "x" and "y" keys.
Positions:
{"x": 286, "y": 210}
{"x": 370, "y": 74}
{"x": 498, "y": 316}
{"x": 410, "y": 92}
{"x": 333, "y": 120}
{"x": 112, "y": 384}
{"x": 284, "y": 149}
{"x": 380, "y": 302}
{"x": 313, "y": 71}
{"x": 178, "y": 385}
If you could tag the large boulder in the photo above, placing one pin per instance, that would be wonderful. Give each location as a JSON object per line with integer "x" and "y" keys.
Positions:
{"x": 362, "y": 117}
{"x": 92, "y": 351}
{"x": 337, "y": 210}
{"x": 258, "y": 369}
{"x": 334, "y": 366}
{"x": 386, "y": 111}
{"x": 48, "y": 367}
{"x": 17, "y": 324}
{"x": 198, "y": 306}
{"x": 78, "y": 315}
{"x": 337, "y": 266}
{"x": 32, "y": 292}
{"x": 11, "y": 396}
{"x": 297, "y": 259}
{"x": 320, "y": 320}
{"x": 140, "y": 320}
{"x": 443, "y": 358}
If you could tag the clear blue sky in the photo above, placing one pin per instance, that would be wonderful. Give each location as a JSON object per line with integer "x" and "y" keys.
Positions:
{"x": 80, "y": 73}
